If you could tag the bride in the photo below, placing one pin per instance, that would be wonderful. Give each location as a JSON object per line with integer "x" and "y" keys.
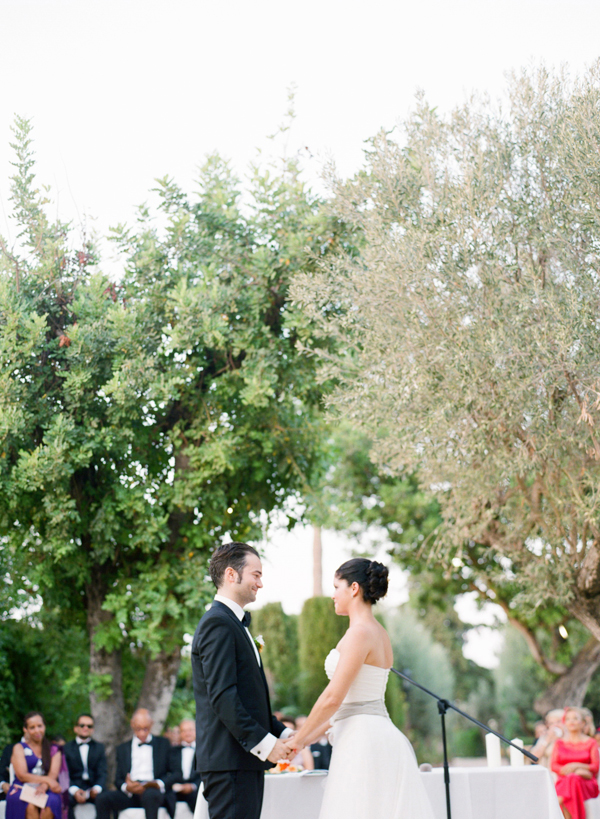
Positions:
{"x": 373, "y": 769}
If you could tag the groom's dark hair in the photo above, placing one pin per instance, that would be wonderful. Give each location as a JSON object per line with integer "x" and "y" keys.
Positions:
{"x": 229, "y": 554}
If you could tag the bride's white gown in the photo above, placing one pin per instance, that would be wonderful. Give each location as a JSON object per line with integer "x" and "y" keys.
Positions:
{"x": 373, "y": 772}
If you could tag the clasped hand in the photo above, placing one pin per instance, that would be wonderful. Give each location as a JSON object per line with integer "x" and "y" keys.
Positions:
{"x": 46, "y": 784}
{"x": 293, "y": 746}
{"x": 133, "y": 786}
{"x": 281, "y": 750}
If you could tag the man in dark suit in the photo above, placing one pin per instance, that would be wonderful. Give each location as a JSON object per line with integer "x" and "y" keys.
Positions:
{"x": 321, "y": 753}
{"x": 5, "y": 771}
{"x": 185, "y": 779}
{"x": 86, "y": 761}
{"x": 143, "y": 769}
{"x": 237, "y": 736}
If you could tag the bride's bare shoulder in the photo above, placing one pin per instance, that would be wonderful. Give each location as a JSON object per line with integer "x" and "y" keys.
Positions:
{"x": 358, "y": 634}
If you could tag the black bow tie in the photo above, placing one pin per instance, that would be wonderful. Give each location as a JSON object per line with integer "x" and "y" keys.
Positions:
{"x": 143, "y": 743}
{"x": 246, "y": 619}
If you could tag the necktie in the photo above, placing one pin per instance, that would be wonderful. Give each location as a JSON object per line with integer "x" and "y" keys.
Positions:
{"x": 246, "y": 619}
{"x": 143, "y": 743}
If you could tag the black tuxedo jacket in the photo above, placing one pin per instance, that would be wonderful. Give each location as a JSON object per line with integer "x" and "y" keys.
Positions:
{"x": 96, "y": 764}
{"x": 176, "y": 774}
{"x": 4, "y": 766}
{"x": 161, "y": 756}
{"x": 321, "y": 755}
{"x": 233, "y": 711}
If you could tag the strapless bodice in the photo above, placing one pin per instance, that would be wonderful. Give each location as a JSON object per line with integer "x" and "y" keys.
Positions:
{"x": 369, "y": 684}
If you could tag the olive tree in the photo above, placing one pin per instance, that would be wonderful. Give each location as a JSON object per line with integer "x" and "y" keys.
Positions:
{"x": 468, "y": 334}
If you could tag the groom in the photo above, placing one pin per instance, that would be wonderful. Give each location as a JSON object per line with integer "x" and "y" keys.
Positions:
{"x": 237, "y": 737}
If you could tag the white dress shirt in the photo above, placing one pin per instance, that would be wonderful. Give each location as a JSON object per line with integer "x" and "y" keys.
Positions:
{"x": 84, "y": 751}
{"x": 142, "y": 764}
{"x": 188, "y": 752}
{"x": 267, "y": 743}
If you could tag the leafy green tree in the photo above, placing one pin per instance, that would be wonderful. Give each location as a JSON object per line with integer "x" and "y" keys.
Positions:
{"x": 280, "y": 653}
{"x": 519, "y": 682}
{"x": 417, "y": 655}
{"x": 142, "y": 422}
{"x": 464, "y": 341}
{"x": 44, "y": 665}
{"x": 319, "y": 630}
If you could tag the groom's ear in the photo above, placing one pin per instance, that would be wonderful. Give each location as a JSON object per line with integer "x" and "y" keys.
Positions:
{"x": 229, "y": 575}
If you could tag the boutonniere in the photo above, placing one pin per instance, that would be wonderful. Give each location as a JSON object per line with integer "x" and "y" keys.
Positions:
{"x": 259, "y": 642}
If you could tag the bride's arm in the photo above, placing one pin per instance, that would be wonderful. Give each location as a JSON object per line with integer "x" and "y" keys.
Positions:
{"x": 354, "y": 649}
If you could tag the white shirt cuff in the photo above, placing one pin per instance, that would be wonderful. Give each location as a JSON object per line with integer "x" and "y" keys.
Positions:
{"x": 264, "y": 747}
{"x": 73, "y": 790}
{"x": 124, "y": 789}
{"x": 97, "y": 788}
{"x": 162, "y": 785}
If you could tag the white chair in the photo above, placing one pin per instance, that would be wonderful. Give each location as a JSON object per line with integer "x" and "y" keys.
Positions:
{"x": 140, "y": 813}
{"x": 592, "y": 808}
{"x": 182, "y": 811}
{"x": 85, "y": 811}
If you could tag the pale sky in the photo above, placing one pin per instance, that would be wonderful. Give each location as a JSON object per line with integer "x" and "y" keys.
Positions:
{"x": 288, "y": 579}
{"x": 121, "y": 92}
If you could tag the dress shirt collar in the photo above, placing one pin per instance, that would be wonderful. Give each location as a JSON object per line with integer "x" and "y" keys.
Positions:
{"x": 235, "y": 607}
{"x": 137, "y": 743}
{"x": 188, "y": 744}
{"x": 80, "y": 741}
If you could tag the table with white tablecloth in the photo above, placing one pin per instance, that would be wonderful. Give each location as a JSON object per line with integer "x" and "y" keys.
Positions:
{"x": 287, "y": 796}
{"x": 476, "y": 793}
{"x": 494, "y": 793}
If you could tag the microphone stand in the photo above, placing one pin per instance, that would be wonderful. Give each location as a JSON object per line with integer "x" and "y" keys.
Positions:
{"x": 443, "y": 706}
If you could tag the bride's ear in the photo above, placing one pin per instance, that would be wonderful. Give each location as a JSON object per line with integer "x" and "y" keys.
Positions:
{"x": 355, "y": 589}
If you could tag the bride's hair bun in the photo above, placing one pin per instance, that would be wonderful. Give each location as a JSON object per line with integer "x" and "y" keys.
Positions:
{"x": 372, "y": 577}
{"x": 377, "y": 574}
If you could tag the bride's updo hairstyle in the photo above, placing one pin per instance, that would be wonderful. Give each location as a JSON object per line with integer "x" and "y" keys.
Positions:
{"x": 372, "y": 577}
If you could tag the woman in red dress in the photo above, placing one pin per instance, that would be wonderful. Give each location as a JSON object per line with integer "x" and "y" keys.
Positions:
{"x": 575, "y": 759}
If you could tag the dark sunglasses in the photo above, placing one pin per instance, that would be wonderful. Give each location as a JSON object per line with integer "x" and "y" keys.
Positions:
{"x": 85, "y": 724}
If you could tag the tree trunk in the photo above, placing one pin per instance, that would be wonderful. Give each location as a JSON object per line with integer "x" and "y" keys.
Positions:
{"x": 570, "y": 687}
{"x": 317, "y": 562}
{"x": 159, "y": 685}
{"x": 106, "y": 696}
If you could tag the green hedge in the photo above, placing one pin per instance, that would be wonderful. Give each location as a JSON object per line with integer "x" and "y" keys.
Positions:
{"x": 319, "y": 630}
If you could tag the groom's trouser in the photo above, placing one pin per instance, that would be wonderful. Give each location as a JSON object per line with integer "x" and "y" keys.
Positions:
{"x": 233, "y": 794}
{"x": 151, "y": 800}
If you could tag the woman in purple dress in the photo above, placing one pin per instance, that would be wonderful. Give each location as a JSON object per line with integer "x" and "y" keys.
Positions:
{"x": 37, "y": 763}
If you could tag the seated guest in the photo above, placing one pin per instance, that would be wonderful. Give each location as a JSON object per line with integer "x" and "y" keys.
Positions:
{"x": 86, "y": 761}
{"x": 588, "y": 718}
{"x": 321, "y": 753}
{"x": 5, "y": 771}
{"x": 575, "y": 760}
{"x": 37, "y": 763}
{"x": 545, "y": 744}
{"x": 185, "y": 779}
{"x": 143, "y": 767}
{"x": 172, "y": 734}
